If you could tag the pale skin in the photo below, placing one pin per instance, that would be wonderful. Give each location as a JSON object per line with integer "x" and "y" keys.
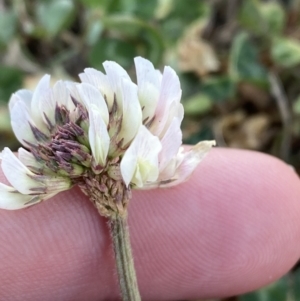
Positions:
{"x": 233, "y": 227}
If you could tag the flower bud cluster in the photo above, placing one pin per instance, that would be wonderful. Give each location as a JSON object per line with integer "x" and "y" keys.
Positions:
{"x": 106, "y": 134}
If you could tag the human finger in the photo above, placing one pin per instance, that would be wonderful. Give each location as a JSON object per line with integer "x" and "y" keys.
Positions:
{"x": 233, "y": 227}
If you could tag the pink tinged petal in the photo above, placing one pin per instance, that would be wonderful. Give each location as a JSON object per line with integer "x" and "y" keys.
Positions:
{"x": 10, "y": 199}
{"x": 170, "y": 92}
{"x": 100, "y": 81}
{"x": 175, "y": 111}
{"x": 19, "y": 176}
{"x": 171, "y": 143}
{"x": 167, "y": 172}
{"x": 42, "y": 88}
{"x": 132, "y": 113}
{"x": 170, "y": 88}
{"x": 140, "y": 161}
{"x": 98, "y": 137}
{"x": 93, "y": 98}
{"x": 20, "y": 122}
{"x": 187, "y": 162}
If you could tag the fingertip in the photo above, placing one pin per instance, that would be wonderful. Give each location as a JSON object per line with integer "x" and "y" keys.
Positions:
{"x": 233, "y": 227}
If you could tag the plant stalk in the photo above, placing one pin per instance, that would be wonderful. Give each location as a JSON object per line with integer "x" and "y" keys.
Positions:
{"x": 124, "y": 260}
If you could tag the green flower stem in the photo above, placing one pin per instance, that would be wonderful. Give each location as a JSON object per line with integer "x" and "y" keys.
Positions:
{"x": 124, "y": 259}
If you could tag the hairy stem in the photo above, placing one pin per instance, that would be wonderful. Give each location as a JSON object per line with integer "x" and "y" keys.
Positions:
{"x": 124, "y": 259}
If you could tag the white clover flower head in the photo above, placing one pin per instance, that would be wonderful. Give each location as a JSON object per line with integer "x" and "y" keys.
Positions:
{"x": 106, "y": 134}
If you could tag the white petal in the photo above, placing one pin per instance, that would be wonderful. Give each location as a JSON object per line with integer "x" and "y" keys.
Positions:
{"x": 98, "y": 136}
{"x": 62, "y": 95}
{"x": 10, "y": 199}
{"x": 72, "y": 88}
{"x": 189, "y": 161}
{"x": 27, "y": 158}
{"x": 115, "y": 73}
{"x": 36, "y": 103}
{"x": 17, "y": 173}
{"x": 148, "y": 97}
{"x": 53, "y": 184}
{"x": 140, "y": 161}
{"x": 47, "y": 107}
{"x": 146, "y": 73}
{"x": 132, "y": 113}
{"x": 100, "y": 81}
{"x": 20, "y": 120}
{"x": 58, "y": 95}
{"x": 170, "y": 92}
{"x": 92, "y": 97}
{"x": 21, "y": 95}
{"x": 148, "y": 80}
{"x": 171, "y": 142}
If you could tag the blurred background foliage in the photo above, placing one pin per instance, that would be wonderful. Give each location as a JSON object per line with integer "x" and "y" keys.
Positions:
{"x": 238, "y": 62}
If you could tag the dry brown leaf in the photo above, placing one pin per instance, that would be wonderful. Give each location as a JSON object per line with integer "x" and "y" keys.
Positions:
{"x": 195, "y": 54}
{"x": 241, "y": 131}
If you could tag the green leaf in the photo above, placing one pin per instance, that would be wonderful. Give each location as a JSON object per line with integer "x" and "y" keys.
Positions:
{"x": 110, "y": 49}
{"x": 296, "y": 106}
{"x": 145, "y": 9}
{"x": 4, "y": 120}
{"x": 274, "y": 16}
{"x": 117, "y": 6}
{"x": 128, "y": 25}
{"x": 262, "y": 18}
{"x": 141, "y": 8}
{"x": 8, "y": 22}
{"x": 55, "y": 15}
{"x": 10, "y": 81}
{"x": 103, "y": 4}
{"x": 128, "y": 6}
{"x": 163, "y": 9}
{"x": 243, "y": 62}
{"x": 250, "y": 16}
{"x": 197, "y": 104}
{"x": 135, "y": 28}
{"x": 215, "y": 89}
{"x": 181, "y": 14}
{"x": 219, "y": 89}
{"x": 296, "y": 284}
{"x": 94, "y": 30}
{"x": 286, "y": 52}
{"x": 190, "y": 12}
{"x": 255, "y": 296}
{"x": 277, "y": 291}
